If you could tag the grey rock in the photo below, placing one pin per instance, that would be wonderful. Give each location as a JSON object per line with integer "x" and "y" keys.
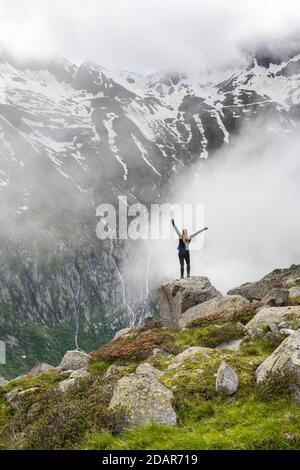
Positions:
{"x": 276, "y": 279}
{"x": 255, "y": 290}
{"x": 74, "y": 360}
{"x": 40, "y": 368}
{"x": 143, "y": 400}
{"x": 73, "y": 379}
{"x": 286, "y": 331}
{"x": 226, "y": 307}
{"x": 178, "y": 296}
{"x": 273, "y": 316}
{"x": 233, "y": 345}
{"x": 277, "y": 297}
{"x": 227, "y": 379}
{"x": 10, "y": 396}
{"x": 148, "y": 370}
{"x": 285, "y": 361}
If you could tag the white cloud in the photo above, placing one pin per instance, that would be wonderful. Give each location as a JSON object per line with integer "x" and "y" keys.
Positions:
{"x": 146, "y": 34}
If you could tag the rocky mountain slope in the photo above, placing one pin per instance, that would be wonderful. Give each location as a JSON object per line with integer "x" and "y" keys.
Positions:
{"x": 227, "y": 379}
{"x": 72, "y": 137}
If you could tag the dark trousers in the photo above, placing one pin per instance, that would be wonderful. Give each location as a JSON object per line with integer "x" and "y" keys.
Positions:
{"x": 184, "y": 256}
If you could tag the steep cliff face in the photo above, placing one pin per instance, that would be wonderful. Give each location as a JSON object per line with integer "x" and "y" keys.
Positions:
{"x": 72, "y": 137}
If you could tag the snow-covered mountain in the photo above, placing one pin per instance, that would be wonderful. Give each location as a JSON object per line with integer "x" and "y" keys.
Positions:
{"x": 77, "y": 124}
{"x": 72, "y": 137}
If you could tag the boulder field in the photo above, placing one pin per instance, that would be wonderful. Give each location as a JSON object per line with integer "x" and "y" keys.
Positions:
{"x": 214, "y": 371}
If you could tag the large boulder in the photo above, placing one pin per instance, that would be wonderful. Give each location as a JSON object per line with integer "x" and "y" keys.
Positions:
{"x": 276, "y": 279}
{"x": 226, "y": 307}
{"x": 227, "y": 379}
{"x": 143, "y": 400}
{"x": 283, "y": 362}
{"x": 74, "y": 360}
{"x": 269, "y": 316}
{"x": 178, "y": 296}
{"x": 277, "y": 297}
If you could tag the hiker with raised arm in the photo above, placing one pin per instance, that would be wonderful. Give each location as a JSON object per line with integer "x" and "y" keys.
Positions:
{"x": 183, "y": 248}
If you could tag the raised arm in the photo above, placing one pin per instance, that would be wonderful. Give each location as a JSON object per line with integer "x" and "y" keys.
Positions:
{"x": 175, "y": 228}
{"x": 197, "y": 233}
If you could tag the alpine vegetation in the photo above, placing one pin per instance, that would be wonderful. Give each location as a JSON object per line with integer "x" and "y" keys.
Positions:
{"x": 149, "y": 181}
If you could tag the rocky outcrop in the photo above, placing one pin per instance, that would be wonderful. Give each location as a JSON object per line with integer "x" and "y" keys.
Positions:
{"x": 74, "y": 360}
{"x": 178, "y": 296}
{"x": 144, "y": 400}
{"x": 278, "y": 316}
{"x": 226, "y": 307}
{"x": 256, "y": 290}
{"x": 276, "y": 279}
{"x": 284, "y": 362}
{"x": 227, "y": 380}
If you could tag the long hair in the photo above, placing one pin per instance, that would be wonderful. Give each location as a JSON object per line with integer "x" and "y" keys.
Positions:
{"x": 185, "y": 236}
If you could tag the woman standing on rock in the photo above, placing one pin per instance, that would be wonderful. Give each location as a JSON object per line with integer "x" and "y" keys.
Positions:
{"x": 183, "y": 248}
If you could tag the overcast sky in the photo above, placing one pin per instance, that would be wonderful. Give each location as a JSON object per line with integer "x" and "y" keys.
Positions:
{"x": 147, "y": 35}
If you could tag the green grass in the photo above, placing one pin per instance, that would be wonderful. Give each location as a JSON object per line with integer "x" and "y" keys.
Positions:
{"x": 249, "y": 425}
{"x": 255, "y": 417}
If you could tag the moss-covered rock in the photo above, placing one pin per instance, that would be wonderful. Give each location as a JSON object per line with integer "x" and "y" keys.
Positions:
{"x": 285, "y": 363}
{"x": 224, "y": 307}
{"x": 144, "y": 400}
